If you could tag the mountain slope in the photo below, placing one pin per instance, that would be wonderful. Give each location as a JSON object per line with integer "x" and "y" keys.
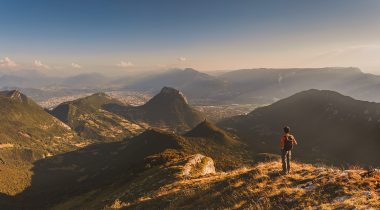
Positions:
{"x": 103, "y": 165}
{"x": 208, "y": 130}
{"x": 164, "y": 185}
{"x": 256, "y": 187}
{"x": 27, "y": 126}
{"x": 167, "y": 109}
{"x": 88, "y": 118}
{"x": 27, "y": 134}
{"x": 162, "y": 170}
{"x": 330, "y": 127}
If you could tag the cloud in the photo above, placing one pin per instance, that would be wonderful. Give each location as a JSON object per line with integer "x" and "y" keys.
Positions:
{"x": 38, "y": 63}
{"x": 76, "y": 66}
{"x": 182, "y": 59}
{"x": 358, "y": 55}
{"x": 7, "y": 62}
{"x": 352, "y": 49}
{"x": 125, "y": 64}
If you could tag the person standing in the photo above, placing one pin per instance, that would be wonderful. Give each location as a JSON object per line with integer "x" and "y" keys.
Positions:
{"x": 287, "y": 141}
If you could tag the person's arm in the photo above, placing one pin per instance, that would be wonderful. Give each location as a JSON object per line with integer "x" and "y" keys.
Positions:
{"x": 295, "y": 141}
{"x": 282, "y": 142}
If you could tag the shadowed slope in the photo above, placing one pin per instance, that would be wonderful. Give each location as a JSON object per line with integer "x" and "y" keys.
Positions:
{"x": 91, "y": 169}
{"x": 208, "y": 130}
{"x": 330, "y": 127}
{"x": 257, "y": 187}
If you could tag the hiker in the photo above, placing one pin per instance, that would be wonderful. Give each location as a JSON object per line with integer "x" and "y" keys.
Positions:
{"x": 287, "y": 141}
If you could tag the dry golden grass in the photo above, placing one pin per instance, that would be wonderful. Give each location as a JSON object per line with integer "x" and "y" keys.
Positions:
{"x": 14, "y": 178}
{"x": 258, "y": 187}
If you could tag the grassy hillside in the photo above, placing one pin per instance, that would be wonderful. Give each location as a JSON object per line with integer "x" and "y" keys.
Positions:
{"x": 88, "y": 118}
{"x": 259, "y": 187}
{"x": 94, "y": 168}
{"x": 26, "y": 126}
{"x": 27, "y": 133}
{"x": 161, "y": 170}
{"x": 256, "y": 187}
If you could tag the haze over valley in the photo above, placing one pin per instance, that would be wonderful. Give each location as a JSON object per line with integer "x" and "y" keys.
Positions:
{"x": 191, "y": 105}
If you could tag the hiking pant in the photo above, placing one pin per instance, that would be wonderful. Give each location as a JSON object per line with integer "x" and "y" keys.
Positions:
{"x": 286, "y": 156}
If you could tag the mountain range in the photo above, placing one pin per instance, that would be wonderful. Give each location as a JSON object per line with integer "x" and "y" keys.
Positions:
{"x": 263, "y": 86}
{"x": 259, "y": 86}
{"x": 183, "y": 161}
{"x": 194, "y": 84}
{"x": 29, "y": 133}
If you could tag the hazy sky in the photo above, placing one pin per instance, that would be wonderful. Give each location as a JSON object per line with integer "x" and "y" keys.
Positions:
{"x": 133, "y": 35}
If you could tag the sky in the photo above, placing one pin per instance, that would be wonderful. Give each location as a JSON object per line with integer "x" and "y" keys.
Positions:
{"x": 109, "y": 36}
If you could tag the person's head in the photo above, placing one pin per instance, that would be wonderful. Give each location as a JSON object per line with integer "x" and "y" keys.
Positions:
{"x": 286, "y": 129}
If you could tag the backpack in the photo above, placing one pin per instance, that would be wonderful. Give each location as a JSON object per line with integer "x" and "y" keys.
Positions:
{"x": 288, "y": 145}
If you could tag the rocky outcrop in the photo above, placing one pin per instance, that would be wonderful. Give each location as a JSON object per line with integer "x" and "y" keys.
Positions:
{"x": 198, "y": 165}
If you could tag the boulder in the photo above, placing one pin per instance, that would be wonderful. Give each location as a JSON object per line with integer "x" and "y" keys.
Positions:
{"x": 198, "y": 165}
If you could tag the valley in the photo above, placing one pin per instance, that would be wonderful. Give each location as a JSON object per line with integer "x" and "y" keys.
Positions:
{"x": 190, "y": 105}
{"x": 144, "y": 149}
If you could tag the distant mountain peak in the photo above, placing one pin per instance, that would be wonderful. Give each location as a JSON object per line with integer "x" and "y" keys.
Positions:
{"x": 100, "y": 95}
{"x": 169, "y": 90}
{"x": 206, "y": 129}
{"x": 169, "y": 108}
{"x": 318, "y": 94}
{"x": 15, "y": 95}
{"x": 190, "y": 70}
{"x": 155, "y": 132}
{"x": 206, "y": 125}
{"x": 169, "y": 95}
{"x": 160, "y": 137}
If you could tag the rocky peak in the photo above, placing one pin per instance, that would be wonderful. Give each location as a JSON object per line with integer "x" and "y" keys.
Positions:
{"x": 15, "y": 95}
{"x": 168, "y": 95}
{"x": 169, "y": 91}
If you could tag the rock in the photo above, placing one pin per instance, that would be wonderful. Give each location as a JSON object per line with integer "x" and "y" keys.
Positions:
{"x": 368, "y": 193}
{"x": 342, "y": 198}
{"x": 198, "y": 165}
{"x": 307, "y": 186}
{"x": 343, "y": 174}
